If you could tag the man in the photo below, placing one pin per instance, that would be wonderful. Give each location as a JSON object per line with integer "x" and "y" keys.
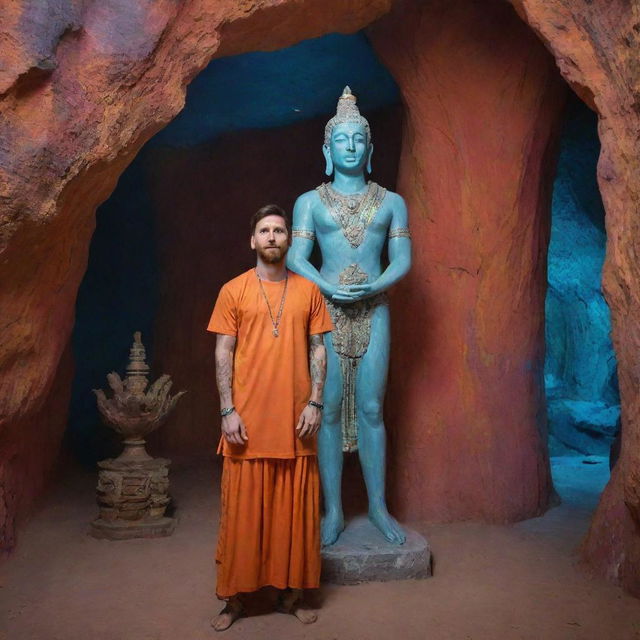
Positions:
{"x": 353, "y": 220}
{"x": 270, "y": 371}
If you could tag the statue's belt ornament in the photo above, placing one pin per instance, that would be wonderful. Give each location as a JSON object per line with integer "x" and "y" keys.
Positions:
{"x": 350, "y": 337}
{"x": 352, "y": 212}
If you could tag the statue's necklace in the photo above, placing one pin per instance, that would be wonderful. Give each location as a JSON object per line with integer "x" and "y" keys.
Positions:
{"x": 349, "y": 204}
{"x": 276, "y": 322}
{"x": 353, "y": 212}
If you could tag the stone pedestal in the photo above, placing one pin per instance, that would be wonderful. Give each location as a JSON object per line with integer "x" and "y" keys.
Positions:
{"x": 363, "y": 555}
{"x": 133, "y": 496}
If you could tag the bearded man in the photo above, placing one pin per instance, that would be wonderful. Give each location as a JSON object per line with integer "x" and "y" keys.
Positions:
{"x": 270, "y": 372}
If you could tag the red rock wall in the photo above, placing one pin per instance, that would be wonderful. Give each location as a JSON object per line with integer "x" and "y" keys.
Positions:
{"x": 596, "y": 47}
{"x": 29, "y": 452}
{"x": 466, "y": 403}
{"x": 204, "y": 198}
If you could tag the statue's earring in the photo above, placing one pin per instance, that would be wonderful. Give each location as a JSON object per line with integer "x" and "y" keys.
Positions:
{"x": 329, "y": 162}
{"x": 369, "y": 158}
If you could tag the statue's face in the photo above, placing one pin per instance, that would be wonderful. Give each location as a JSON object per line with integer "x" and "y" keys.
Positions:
{"x": 349, "y": 147}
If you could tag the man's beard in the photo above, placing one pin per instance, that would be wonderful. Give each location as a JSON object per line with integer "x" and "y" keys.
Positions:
{"x": 269, "y": 256}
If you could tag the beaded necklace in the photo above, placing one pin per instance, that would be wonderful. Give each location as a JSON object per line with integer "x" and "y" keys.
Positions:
{"x": 276, "y": 322}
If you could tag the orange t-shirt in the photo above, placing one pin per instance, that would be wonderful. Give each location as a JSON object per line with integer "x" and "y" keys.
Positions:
{"x": 271, "y": 381}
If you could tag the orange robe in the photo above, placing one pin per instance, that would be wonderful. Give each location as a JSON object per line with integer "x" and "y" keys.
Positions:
{"x": 270, "y": 516}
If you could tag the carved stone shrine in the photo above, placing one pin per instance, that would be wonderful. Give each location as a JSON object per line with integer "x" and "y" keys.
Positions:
{"x": 133, "y": 489}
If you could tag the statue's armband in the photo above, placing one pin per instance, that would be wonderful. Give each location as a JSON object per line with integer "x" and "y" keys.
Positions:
{"x": 399, "y": 232}
{"x": 303, "y": 233}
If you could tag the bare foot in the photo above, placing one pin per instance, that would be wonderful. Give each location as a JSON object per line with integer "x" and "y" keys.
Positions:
{"x": 291, "y": 602}
{"x": 306, "y": 616}
{"x": 388, "y": 525}
{"x": 232, "y": 611}
{"x": 331, "y": 527}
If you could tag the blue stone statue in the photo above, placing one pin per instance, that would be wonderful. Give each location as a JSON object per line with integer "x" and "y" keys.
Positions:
{"x": 352, "y": 219}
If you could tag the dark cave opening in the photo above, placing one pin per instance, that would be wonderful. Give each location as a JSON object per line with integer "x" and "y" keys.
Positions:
{"x": 580, "y": 368}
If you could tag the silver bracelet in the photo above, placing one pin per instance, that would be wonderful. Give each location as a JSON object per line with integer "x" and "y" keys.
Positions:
{"x": 226, "y": 411}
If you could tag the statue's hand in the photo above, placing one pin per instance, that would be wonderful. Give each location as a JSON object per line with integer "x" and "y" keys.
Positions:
{"x": 354, "y": 292}
{"x": 328, "y": 290}
{"x": 344, "y": 295}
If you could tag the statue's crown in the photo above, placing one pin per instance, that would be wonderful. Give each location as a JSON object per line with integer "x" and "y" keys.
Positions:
{"x": 347, "y": 111}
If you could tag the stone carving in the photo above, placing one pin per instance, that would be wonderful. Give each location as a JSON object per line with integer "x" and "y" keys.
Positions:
{"x": 133, "y": 489}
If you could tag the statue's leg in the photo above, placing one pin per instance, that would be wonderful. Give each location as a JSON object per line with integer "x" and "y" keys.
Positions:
{"x": 330, "y": 449}
{"x": 371, "y": 381}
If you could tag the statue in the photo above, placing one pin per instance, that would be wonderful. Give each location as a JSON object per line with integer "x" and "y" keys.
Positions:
{"x": 352, "y": 219}
{"x": 133, "y": 489}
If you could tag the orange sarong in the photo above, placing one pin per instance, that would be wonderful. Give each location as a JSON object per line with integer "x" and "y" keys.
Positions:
{"x": 269, "y": 526}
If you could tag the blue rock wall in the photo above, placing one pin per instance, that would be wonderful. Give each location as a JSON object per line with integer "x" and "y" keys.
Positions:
{"x": 273, "y": 89}
{"x": 580, "y": 368}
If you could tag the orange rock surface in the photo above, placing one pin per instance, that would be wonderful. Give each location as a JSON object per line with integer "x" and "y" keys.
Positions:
{"x": 466, "y": 401}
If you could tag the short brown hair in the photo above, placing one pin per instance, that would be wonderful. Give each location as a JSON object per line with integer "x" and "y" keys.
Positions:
{"x": 270, "y": 210}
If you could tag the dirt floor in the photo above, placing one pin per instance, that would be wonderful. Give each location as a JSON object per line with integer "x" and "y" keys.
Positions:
{"x": 489, "y": 582}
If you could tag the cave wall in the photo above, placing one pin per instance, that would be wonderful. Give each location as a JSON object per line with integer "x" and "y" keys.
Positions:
{"x": 483, "y": 104}
{"x": 596, "y": 48}
{"x": 82, "y": 92}
{"x": 266, "y": 89}
{"x": 580, "y": 366}
{"x": 27, "y": 452}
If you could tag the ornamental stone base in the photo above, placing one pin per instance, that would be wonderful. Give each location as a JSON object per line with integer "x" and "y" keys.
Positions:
{"x": 361, "y": 554}
{"x": 132, "y": 496}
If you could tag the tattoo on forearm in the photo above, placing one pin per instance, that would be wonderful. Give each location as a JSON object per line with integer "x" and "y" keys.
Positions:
{"x": 316, "y": 340}
{"x": 317, "y": 363}
{"x": 224, "y": 375}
